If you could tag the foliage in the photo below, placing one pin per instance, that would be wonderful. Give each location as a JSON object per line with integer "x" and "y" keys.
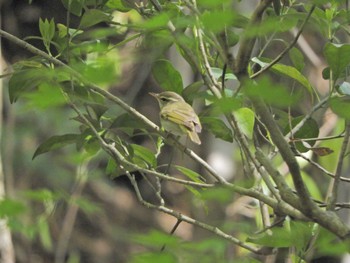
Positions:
{"x": 260, "y": 100}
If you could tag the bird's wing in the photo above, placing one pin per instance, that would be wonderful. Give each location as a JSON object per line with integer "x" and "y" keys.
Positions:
{"x": 185, "y": 112}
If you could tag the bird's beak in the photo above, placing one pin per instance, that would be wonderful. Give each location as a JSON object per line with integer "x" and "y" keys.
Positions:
{"x": 153, "y": 94}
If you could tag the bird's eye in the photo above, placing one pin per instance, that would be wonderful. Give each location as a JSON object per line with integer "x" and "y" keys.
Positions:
{"x": 164, "y": 99}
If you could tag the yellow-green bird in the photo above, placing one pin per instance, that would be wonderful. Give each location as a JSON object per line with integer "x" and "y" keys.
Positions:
{"x": 177, "y": 116}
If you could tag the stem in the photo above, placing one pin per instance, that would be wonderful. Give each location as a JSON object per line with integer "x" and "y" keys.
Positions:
{"x": 336, "y": 180}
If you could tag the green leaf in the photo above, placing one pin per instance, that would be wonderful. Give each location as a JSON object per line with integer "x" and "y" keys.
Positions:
{"x": 297, "y": 235}
{"x": 47, "y": 31}
{"x": 74, "y": 6}
{"x": 92, "y": 17}
{"x": 190, "y": 174}
{"x": 327, "y": 244}
{"x": 24, "y": 80}
{"x": 222, "y": 195}
{"x": 127, "y": 123}
{"x": 167, "y": 76}
{"x": 216, "y": 21}
{"x": 41, "y": 195}
{"x": 225, "y": 105}
{"x": 245, "y": 118}
{"x": 217, "y": 73}
{"x": 119, "y": 5}
{"x": 289, "y": 72}
{"x": 9, "y": 208}
{"x": 309, "y": 130}
{"x": 154, "y": 257}
{"x": 156, "y": 239}
{"x": 47, "y": 96}
{"x": 101, "y": 70}
{"x": 294, "y": 74}
{"x": 143, "y": 154}
{"x": 338, "y": 57}
{"x": 192, "y": 91}
{"x": 159, "y": 21}
{"x": 272, "y": 93}
{"x": 341, "y": 106}
{"x": 268, "y": 25}
{"x": 297, "y": 58}
{"x": 56, "y": 142}
{"x": 44, "y": 233}
{"x": 218, "y": 128}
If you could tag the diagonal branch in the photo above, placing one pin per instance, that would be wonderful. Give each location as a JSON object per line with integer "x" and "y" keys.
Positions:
{"x": 170, "y": 139}
{"x": 285, "y": 51}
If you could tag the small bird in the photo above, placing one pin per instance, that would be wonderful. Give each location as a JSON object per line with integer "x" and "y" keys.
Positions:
{"x": 177, "y": 116}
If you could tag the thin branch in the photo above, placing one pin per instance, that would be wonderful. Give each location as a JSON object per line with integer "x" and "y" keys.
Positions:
{"x": 334, "y": 192}
{"x": 286, "y": 50}
{"x": 247, "y": 43}
{"x": 297, "y": 127}
{"x": 322, "y": 169}
{"x": 183, "y": 218}
{"x": 71, "y": 214}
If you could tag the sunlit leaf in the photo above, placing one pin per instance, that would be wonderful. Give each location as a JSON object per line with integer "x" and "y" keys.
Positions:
{"x": 10, "y": 207}
{"x": 47, "y": 96}
{"x": 167, "y": 76}
{"x": 92, "y": 17}
{"x": 120, "y": 5}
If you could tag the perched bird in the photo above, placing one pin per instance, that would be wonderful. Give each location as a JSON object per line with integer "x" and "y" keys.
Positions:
{"x": 177, "y": 116}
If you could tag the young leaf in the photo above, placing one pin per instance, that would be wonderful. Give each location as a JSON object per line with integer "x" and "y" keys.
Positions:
{"x": 56, "y": 142}
{"x": 9, "y": 207}
{"x": 167, "y": 76}
{"x": 118, "y": 5}
{"x": 92, "y": 17}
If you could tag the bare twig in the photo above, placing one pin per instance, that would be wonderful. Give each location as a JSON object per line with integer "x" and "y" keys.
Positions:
{"x": 183, "y": 218}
